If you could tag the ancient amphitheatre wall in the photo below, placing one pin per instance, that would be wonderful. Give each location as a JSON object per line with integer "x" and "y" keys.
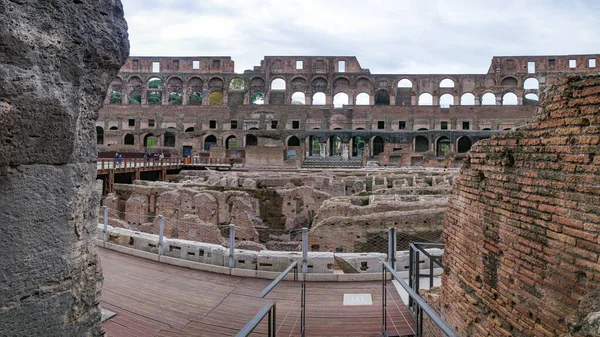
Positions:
{"x": 56, "y": 61}
{"x": 522, "y": 230}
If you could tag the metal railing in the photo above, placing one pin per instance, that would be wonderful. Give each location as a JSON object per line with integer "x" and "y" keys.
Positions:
{"x": 414, "y": 274}
{"x": 268, "y": 309}
{"x": 421, "y": 306}
{"x": 133, "y": 163}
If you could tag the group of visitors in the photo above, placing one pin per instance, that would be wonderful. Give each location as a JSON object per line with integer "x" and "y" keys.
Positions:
{"x": 154, "y": 156}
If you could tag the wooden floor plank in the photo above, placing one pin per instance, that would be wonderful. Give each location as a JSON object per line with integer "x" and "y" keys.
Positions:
{"x": 155, "y": 299}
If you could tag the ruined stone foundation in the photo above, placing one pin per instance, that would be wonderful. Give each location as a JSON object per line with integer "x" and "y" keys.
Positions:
{"x": 522, "y": 230}
{"x": 56, "y": 60}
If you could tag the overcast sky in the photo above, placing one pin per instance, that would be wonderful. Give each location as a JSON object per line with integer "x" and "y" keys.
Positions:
{"x": 397, "y": 36}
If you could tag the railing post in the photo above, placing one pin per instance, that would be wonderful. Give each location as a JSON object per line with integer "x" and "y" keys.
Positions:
{"x": 304, "y": 250}
{"x": 383, "y": 301}
{"x": 161, "y": 232}
{"x": 231, "y": 245}
{"x": 105, "y": 209}
{"x": 303, "y": 309}
{"x": 392, "y": 247}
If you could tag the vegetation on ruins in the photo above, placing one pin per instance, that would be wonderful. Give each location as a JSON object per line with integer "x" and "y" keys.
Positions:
{"x": 115, "y": 97}
{"x": 215, "y": 98}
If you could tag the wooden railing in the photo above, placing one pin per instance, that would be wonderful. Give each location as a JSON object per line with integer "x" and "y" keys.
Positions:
{"x": 133, "y": 163}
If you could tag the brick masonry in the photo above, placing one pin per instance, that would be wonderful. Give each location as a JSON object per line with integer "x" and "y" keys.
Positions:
{"x": 522, "y": 230}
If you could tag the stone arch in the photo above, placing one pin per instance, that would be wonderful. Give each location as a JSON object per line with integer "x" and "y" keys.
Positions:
{"x": 467, "y": 99}
{"x": 488, "y": 99}
{"x": 154, "y": 91}
{"x": 510, "y": 98}
{"x": 298, "y": 83}
{"x": 209, "y": 141}
{"x": 231, "y": 142}
{"x": 257, "y": 84}
{"x": 318, "y": 99}
{"x": 446, "y": 100}
{"x": 293, "y": 141}
{"x": 531, "y": 83}
{"x": 463, "y": 144}
{"x": 404, "y": 92}
{"x": 195, "y": 85}
{"x": 509, "y": 81}
{"x": 215, "y": 84}
{"x": 358, "y": 145}
{"x": 251, "y": 140}
{"x": 405, "y": 83}
{"x": 382, "y": 97}
{"x": 421, "y": 144}
{"x": 340, "y": 99}
{"x": 237, "y": 83}
{"x": 188, "y": 130}
{"x": 319, "y": 84}
{"x": 442, "y": 146}
{"x": 113, "y": 128}
{"x": 363, "y": 84}
{"x": 531, "y": 99}
{"x": 115, "y": 91}
{"x": 378, "y": 146}
{"x": 278, "y": 84}
{"x": 135, "y": 87}
{"x": 150, "y": 140}
{"x": 446, "y": 83}
{"x": 425, "y": 99}
{"x": 170, "y": 138}
{"x": 341, "y": 84}
{"x": 129, "y": 139}
{"x": 175, "y": 90}
{"x": 298, "y": 98}
{"x": 422, "y": 129}
{"x": 363, "y": 99}
{"x": 99, "y": 135}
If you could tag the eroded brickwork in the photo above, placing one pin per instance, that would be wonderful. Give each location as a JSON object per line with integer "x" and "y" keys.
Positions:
{"x": 522, "y": 230}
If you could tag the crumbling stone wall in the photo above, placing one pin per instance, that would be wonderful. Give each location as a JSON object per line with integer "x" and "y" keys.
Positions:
{"x": 522, "y": 230}
{"x": 56, "y": 61}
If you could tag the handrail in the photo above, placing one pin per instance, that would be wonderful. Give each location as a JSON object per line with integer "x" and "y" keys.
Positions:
{"x": 293, "y": 265}
{"x": 446, "y": 329}
{"x": 253, "y": 323}
{"x": 437, "y": 259}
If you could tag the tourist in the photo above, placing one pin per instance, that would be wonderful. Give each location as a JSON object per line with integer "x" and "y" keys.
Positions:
{"x": 146, "y": 158}
{"x": 119, "y": 160}
{"x": 116, "y": 159}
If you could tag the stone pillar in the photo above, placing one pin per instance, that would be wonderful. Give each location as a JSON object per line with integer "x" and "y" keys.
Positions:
{"x": 346, "y": 151}
{"x": 498, "y": 99}
{"x": 51, "y": 275}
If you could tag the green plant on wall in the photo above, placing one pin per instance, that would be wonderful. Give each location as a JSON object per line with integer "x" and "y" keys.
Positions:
{"x": 215, "y": 98}
{"x": 115, "y": 97}
{"x": 135, "y": 98}
{"x": 195, "y": 98}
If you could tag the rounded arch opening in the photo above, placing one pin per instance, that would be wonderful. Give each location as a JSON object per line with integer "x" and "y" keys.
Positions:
{"x": 531, "y": 99}
{"x": 209, "y": 141}
{"x": 251, "y": 140}
{"x": 149, "y": 140}
{"x": 467, "y": 99}
{"x": 488, "y": 99}
{"x": 405, "y": 83}
{"x": 298, "y": 98}
{"x": 190, "y": 129}
{"x": 318, "y": 98}
{"x": 425, "y": 99}
{"x": 293, "y": 141}
{"x": 463, "y": 144}
{"x": 446, "y": 100}
{"x": 129, "y": 139}
{"x": 382, "y": 97}
{"x": 363, "y": 99}
{"x": 231, "y": 142}
{"x": 447, "y": 83}
{"x": 421, "y": 144}
{"x": 442, "y": 146}
{"x": 340, "y": 99}
{"x": 170, "y": 139}
{"x": 509, "y": 99}
{"x": 378, "y": 146}
{"x": 278, "y": 84}
{"x": 509, "y": 82}
{"x": 531, "y": 83}
{"x": 99, "y": 135}
{"x": 237, "y": 83}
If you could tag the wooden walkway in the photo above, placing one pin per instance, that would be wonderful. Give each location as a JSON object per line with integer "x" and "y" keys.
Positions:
{"x": 155, "y": 299}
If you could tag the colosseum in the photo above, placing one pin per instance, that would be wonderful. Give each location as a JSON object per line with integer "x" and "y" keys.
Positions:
{"x": 319, "y": 111}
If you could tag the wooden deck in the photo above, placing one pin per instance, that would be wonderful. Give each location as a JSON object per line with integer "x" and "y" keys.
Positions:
{"x": 155, "y": 299}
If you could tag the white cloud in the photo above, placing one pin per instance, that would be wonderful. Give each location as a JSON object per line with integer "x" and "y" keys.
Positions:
{"x": 432, "y": 36}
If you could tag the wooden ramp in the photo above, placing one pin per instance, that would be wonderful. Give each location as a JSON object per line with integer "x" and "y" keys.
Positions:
{"x": 155, "y": 299}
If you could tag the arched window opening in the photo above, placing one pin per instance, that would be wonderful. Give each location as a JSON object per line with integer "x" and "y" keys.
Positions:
{"x": 113, "y": 128}
{"x": 314, "y": 148}
{"x": 231, "y": 142}
{"x": 531, "y": 83}
{"x": 298, "y": 98}
{"x": 196, "y": 86}
{"x": 509, "y": 82}
{"x": 251, "y": 140}
{"x": 531, "y": 99}
{"x": 154, "y": 93}
{"x": 149, "y": 140}
{"x": 335, "y": 146}
{"x": 215, "y": 98}
{"x": 421, "y": 144}
{"x": 237, "y": 84}
{"x": 169, "y": 139}
{"x": 155, "y": 83}
{"x": 278, "y": 84}
{"x": 293, "y": 141}
{"x": 340, "y": 99}
{"x": 447, "y": 83}
{"x": 442, "y": 146}
{"x": 467, "y": 99}
{"x": 129, "y": 139}
{"x": 488, "y": 99}
{"x": 358, "y": 146}
{"x": 446, "y": 100}
{"x": 382, "y": 97}
{"x": 190, "y": 129}
{"x": 318, "y": 99}
{"x": 378, "y": 146}
{"x": 362, "y": 99}
{"x": 209, "y": 141}
{"x": 99, "y": 135}
{"x": 464, "y": 144}
{"x": 115, "y": 97}
{"x": 425, "y": 99}
{"x": 257, "y": 98}
{"x": 405, "y": 83}
{"x": 509, "y": 99}
{"x": 422, "y": 129}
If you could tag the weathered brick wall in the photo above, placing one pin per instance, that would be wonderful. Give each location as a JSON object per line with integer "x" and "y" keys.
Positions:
{"x": 522, "y": 230}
